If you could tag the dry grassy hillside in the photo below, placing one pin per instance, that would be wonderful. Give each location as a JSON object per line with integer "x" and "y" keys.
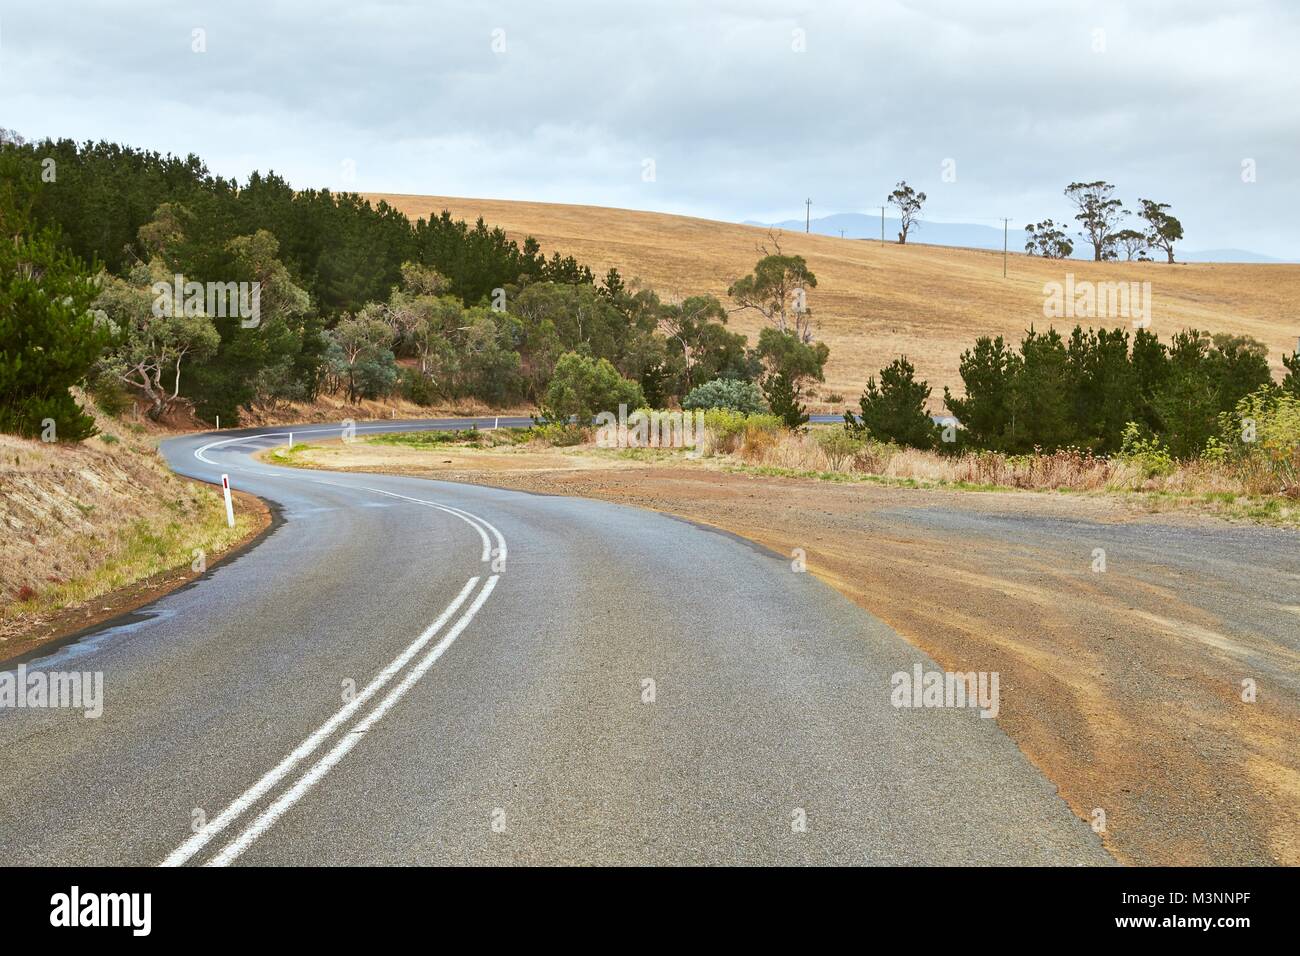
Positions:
{"x": 873, "y": 302}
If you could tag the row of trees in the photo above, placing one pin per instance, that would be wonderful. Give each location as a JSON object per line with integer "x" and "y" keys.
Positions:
{"x": 1083, "y": 392}
{"x": 1101, "y": 217}
{"x": 353, "y": 298}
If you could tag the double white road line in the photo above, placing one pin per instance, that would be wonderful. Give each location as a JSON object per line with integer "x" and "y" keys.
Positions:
{"x": 295, "y": 792}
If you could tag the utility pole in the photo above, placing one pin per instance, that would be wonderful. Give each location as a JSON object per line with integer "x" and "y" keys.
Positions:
{"x": 807, "y": 222}
{"x": 882, "y": 225}
{"x": 841, "y": 233}
{"x": 1004, "y": 248}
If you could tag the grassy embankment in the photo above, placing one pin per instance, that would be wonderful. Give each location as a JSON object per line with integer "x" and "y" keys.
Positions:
{"x": 85, "y": 520}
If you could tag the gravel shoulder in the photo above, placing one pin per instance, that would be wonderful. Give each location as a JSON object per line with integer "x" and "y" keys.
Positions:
{"x": 1125, "y": 686}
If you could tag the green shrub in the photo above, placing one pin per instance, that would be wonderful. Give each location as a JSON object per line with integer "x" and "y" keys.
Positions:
{"x": 1147, "y": 452}
{"x": 735, "y": 394}
{"x": 560, "y": 434}
{"x": 581, "y": 387}
{"x": 417, "y": 387}
{"x": 109, "y": 394}
{"x": 839, "y": 445}
{"x": 49, "y": 339}
{"x": 725, "y": 424}
{"x": 730, "y": 430}
{"x": 895, "y": 411}
{"x": 1262, "y": 437}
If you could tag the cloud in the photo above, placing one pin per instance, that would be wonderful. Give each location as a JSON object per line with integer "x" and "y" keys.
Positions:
{"x": 745, "y": 107}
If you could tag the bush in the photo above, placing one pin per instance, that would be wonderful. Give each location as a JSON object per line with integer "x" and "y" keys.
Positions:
{"x": 560, "y": 434}
{"x": 49, "y": 339}
{"x": 110, "y": 395}
{"x": 735, "y": 394}
{"x": 1262, "y": 437}
{"x": 1143, "y": 450}
{"x": 839, "y": 445}
{"x": 417, "y": 387}
{"x": 376, "y": 377}
{"x": 728, "y": 431}
{"x": 725, "y": 426}
{"x": 582, "y": 387}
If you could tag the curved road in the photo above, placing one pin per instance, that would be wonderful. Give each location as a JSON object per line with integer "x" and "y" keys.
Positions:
{"x": 409, "y": 671}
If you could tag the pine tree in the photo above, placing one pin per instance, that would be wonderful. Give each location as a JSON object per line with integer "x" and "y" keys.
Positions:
{"x": 48, "y": 337}
{"x": 987, "y": 414}
{"x": 895, "y": 410}
{"x": 783, "y": 398}
{"x": 1291, "y": 382}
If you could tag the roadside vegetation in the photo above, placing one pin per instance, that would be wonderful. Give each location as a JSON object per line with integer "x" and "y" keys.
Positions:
{"x": 123, "y": 260}
{"x": 84, "y": 520}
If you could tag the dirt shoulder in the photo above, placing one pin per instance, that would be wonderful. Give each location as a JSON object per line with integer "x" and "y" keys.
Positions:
{"x": 1124, "y": 686}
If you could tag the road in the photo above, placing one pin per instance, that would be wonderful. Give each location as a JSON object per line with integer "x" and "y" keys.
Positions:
{"x": 408, "y": 671}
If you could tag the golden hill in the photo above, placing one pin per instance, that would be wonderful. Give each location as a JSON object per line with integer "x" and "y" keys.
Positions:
{"x": 874, "y": 302}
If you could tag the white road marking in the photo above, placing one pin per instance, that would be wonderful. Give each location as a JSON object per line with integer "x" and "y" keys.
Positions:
{"x": 309, "y": 746}
{"x": 326, "y": 763}
{"x": 487, "y": 548}
{"x": 241, "y": 804}
{"x": 468, "y": 517}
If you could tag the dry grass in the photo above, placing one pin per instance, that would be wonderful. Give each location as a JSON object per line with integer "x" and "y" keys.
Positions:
{"x": 82, "y": 520}
{"x": 874, "y": 302}
{"x": 1231, "y": 488}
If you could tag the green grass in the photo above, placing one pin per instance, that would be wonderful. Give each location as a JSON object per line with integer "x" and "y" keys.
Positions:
{"x": 635, "y": 454}
{"x": 284, "y": 455}
{"x": 459, "y": 436}
{"x": 476, "y": 437}
{"x": 141, "y": 549}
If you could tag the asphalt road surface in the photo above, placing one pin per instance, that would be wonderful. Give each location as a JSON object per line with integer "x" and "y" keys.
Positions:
{"x": 409, "y": 671}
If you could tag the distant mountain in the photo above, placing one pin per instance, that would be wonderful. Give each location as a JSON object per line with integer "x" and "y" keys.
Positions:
{"x": 1225, "y": 255}
{"x": 856, "y": 225}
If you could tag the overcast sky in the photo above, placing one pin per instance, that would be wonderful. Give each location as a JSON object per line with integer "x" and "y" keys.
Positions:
{"x": 745, "y": 107}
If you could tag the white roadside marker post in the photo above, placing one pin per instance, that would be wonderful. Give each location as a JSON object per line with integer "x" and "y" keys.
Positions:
{"x": 230, "y": 507}
{"x": 218, "y": 423}
{"x": 291, "y": 441}
{"x": 498, "y": 424}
